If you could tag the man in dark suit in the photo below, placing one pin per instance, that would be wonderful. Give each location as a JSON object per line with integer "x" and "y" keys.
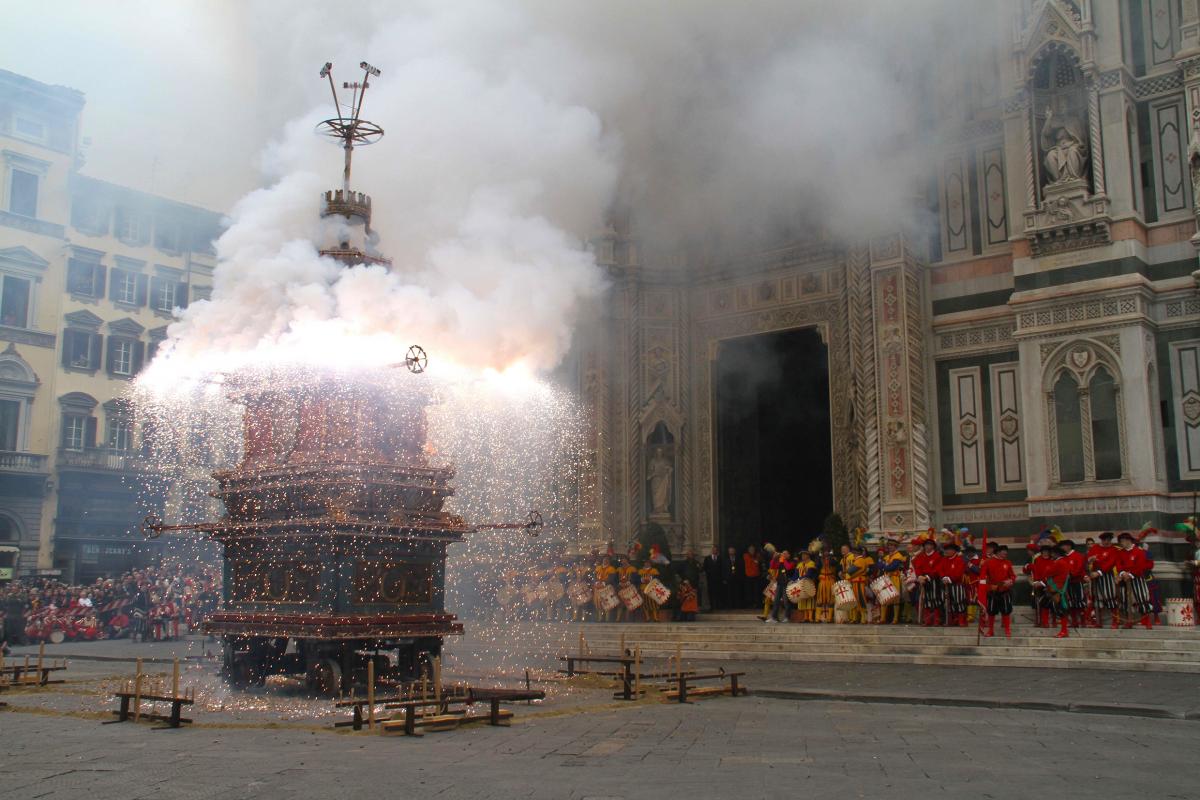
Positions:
{"x": 732, "y": 575}
{"x": 712, "y": 577}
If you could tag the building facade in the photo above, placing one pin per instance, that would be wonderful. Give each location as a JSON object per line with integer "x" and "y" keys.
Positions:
{"x": 1031, "y": 358}
{"x": 90, "y": 273}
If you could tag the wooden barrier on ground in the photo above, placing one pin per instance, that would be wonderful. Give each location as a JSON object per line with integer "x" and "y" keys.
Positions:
{"x": 430, "y": 704}
{"x": 35, "y": 674}
{"x": 143, "y": 688}
{"x": 682, "y": 691}
{"x": 679, "y": 678}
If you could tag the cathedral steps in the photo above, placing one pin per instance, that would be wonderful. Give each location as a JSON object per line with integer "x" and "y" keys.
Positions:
{"x": 1160, "y": 650}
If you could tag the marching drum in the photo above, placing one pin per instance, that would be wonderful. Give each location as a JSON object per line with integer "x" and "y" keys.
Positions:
{"x": 885, "y": 590}
{"x": 657, "y": 591}
{"x": 506, "y": 594}
{"x": 606, "y": 596}
{"x": 630, "y": 597}
{"x": 769, "y": 592}
{"x": 1180, "y": 612}
{"x": 581, "y": 594}
{"x": 58, "y": 636}
{"x": 843, "y": 595}
{"x": 553, "y": 590}
{"x": 800, "y": 590}
{"x": 532, "y": 595}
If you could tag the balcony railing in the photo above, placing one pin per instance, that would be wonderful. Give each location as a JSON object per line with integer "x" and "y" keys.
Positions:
{"x": 11, "y": 461}
{"x": 102, "y": 458}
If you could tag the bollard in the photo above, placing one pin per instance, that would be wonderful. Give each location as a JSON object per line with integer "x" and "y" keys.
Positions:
{"x": 371, "y": 694}
{"x": 137, "y": 692}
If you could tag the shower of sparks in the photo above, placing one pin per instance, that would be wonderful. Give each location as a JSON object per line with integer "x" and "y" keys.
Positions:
{"x": 514, "y": 441}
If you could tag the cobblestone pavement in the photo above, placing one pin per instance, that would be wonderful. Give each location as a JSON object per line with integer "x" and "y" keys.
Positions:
{"x": 745, "y": 748}
{"x": 578, "y": 745}
{"x": 476, "y": 656}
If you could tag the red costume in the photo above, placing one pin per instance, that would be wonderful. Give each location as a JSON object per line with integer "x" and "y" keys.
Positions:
{"x": 1133, "y": 568}
{"x": 998, "y": 574}
{"x": 1104, "y": 557}
{"x": 1134, "y": 561}
{"x": 1040, "y": 570}
{"x": 929, "y": 565}
{"x": 953, "y": 568}
{"x": 1076, "y": 565}
{"x": 1060, "y": 574}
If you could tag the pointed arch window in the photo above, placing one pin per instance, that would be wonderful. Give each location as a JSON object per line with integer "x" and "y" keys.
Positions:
{"x": 1106, "y": 438}
{"x": 1067, "y": 420}
{"x": 1085, "y": 413}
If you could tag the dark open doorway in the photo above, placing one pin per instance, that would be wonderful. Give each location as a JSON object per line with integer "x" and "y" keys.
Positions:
{"x": 774, "y": 476}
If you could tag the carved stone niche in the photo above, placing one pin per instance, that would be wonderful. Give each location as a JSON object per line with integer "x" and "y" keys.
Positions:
{"x": 1070, "y": 208}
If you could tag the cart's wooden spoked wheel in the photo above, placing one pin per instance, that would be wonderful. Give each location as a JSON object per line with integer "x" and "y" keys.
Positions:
{"x": 325, "y": 677}
{"x": 416, "y": 360}
{"x": 246, "y": 672}
{"x": 533, "y": 522}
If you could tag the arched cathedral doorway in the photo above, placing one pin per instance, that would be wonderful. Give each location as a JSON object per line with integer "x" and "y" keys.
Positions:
{"x": 773, "y": 443}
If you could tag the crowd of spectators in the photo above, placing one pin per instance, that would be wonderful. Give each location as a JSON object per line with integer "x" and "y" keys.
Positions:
{"x": 156, "y": 603}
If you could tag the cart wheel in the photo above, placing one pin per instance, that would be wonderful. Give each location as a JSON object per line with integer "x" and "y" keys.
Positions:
{"x": 246, "y": 673}
{"x": 325, "y": 677}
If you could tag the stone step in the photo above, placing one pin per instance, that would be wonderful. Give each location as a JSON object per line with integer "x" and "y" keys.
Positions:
{"x": 1048, "y": 651}
{"x": 985, "y": 660}
{"x": 799, "y": 633}
{"x": 1159, "y": 632}
{"x": 1047, "y": 641}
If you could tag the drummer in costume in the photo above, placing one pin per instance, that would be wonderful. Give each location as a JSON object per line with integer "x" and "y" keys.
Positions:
{"x": 561, "y": 607}
{"x": 768, "y": 600}
{"x": 1076, "y": 566}
{"x": 952, "y": 570}
{"x": 1102, "y": 570}
{"x": 806, "y": 569}
{"x": 627, "y": 575}
{"x": 649, "y": 608}
{"x": 927, "y": 564}
{"x": 580, "y": 574}
{"x": 605, "y": 575}
{"x": 827, "y": 576}
{"x": 893, "y": 565}
{"x": 784, "y": 567}
{"x": 858, "y": 572}
{"x": 1133, "y": 565}
{"x": 997, "y": 572}
{"x": 689, "y": 601}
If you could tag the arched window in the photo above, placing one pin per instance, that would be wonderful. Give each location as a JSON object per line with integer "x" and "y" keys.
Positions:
{"x": 1068, "y": 424}
{"x": 1084, "y": 412}
{"x": 18, "y": 384}
{"x": 1106, "y": 437}
{"x": 8, "y": 530}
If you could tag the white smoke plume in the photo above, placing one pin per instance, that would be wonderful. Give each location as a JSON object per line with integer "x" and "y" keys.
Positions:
{"x": 513, "y": 128}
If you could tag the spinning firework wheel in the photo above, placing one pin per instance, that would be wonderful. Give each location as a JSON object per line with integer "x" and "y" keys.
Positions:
{"x": 152, "y": 527}
{"x": 416, "y": 360}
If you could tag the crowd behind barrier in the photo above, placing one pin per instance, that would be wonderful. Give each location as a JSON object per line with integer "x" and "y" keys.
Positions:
{"x": 151, "y": 604}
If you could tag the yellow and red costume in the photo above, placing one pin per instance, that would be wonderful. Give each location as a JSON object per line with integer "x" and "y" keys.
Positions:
{"x": 827, "y": 576}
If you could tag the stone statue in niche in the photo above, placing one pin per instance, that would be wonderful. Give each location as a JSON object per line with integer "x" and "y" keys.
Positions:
{"x": 1065, "y": 149}
{"x": 1194, "y": 169}
{"x": 661, "y": 473}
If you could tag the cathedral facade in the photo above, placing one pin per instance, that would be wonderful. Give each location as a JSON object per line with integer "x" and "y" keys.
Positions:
{"x": 1034, "y": 359}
